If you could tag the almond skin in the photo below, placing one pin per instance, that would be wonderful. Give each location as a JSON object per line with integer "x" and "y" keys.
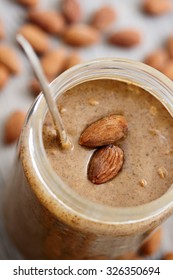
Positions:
{"x": 152, "y": 244}
{"x": 104, "y": 131}
{"x": 157, "y": 7}
{"x": 170, "y": 46}
{"x": 2, "y": 31}
{"x": 73, "y": 59}
{"x": 157, "y": 59}
{"x": 103, "y": 18}
{"x": 72, "y": 10}
{"x": 28, "y": 3}
{"x": 105, "y": 164}
{"x": 13, "y": 126}
{"x": 9, "y": 59}
{"x": 36, "y": 37}
{"x": 125, "y": 38}
{"x": 4, "y": 76}
{"x": 168, "y": 69}
{"x": 51, "y": 21}
{"x": 81, "y": 35}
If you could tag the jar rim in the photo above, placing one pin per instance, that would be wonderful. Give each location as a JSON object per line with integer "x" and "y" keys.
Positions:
{"x": 120, "y": 69}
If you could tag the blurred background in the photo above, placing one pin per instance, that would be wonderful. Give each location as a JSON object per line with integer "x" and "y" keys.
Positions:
{"x": 147, "y": 37}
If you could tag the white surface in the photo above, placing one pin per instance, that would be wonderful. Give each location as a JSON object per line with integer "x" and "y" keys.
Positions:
{"x": 16, "y": 94}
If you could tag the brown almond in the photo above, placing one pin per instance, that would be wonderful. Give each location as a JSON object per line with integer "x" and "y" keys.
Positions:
{"x": 157, "y": 7}
{"x": 152, "y": 244}
{"x": 125, "y": 38}
{"x": 168, "y": 256}
{"x": 13, "y": 126}
{"x": 28, "y": 3}
{"x": 157, "y": 59}
{"x": 73, "y": 59}
{"x": 105, "y": 164}
{"x": 2, "y": 31}
{"x": 36, "y": 37}
{"x": 168, "y": 69}
{"x": 72, "y": 10}
{"x": 81, "y": 35}
{"x": 103, "y": 17}
{"x": 170, "y": 46}
{"x": 35, "y": 87}
{"x": 51, "y": 21}
{"x": 4, "y": 76}
{"x": 105, "y": 131}
{"x": 9, "y": 59}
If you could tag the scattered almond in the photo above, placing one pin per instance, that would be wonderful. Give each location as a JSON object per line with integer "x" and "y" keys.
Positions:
{"x": 13, "y": 126}
{"x": 152, "y": 244}
{"x": 162, "y": 172}
{"x": 2, "y": 31}
{"x": 125, "y": 38}
{"x": 157, "y": 7}
{"x": 50, "y": 21}
{"x": 168, "y": 256}
{"x": 81, "y": 35}
{"x": 93, "y": 102}
{"x": 53, "y": 62}
{"x": 72, "y": 10}
{"x": 103, "y": 17}
{"x": 105, "y": 164}
{"x": 143, "y": 183}
{"x": 4, "y": 76}
{"x": 168, "y": 69}
{"x": 157, "y": 59}
{"x": 9, "y": 59}
{"x": 104, "y": 131}
{"x": 28, "y": 3}
{"x": 73, "y": 59}
{"x": 36, "y": 37}
{"x": 170, "y": 46}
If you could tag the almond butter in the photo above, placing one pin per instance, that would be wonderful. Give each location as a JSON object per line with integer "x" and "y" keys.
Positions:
{"x": 157, "y": 7}
{"x": 9, "y": 59}
{"x": 28, "y": 3}
{"x": 157, "y": 59}
{"x": 13, "y": 126}
{"x": 168, "y": 256}
{"x": 50, "y": 21}
{"x": 152, "y": 244}
{"x": 105, "y": 164}
{"x": 53, "y": 62}
{"x": 103, "y": 17}
{"x": 72, "y": 10}
{"x": 81, "y": 35}
{"x": 170, "y": 46}
{"x": 4, "y": 76}
{"x": 2, "y": 31}
{"x": 36, "y": 37}
{"x": 168, "y": 69}
{"x": 125, "y": 38}
{"x": 105, "y": 131}
{"x": 73, "y": 59}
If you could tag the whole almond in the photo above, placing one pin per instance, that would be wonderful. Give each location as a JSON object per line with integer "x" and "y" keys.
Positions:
{"x": 157, "y": 59}
{"x": 170, "y": 46}
{"x": 105, "y": 131}
{"x": 157, "y": 7}
{"x": 72, "y": 10}
{"x": 125, "y": 38}
{"x": 152, "y": 244}
{"x": 53, "y": 62}
{"x": 36, "y": 37}
{"x": 103, "y": 17}
{"x": 50, "y": 21}
{"x": 105, "y": 164}
{"x": 13, "y": 126}
{"x": 9, "y": 59}
{"x": 4, "y": 76}
{"x": 35, "y": 87}
{"x": 28, "y": 3}
{"x": 168, "y": 256}
{"x": 168, "y": 69}
{"x": 2, "y": 31}
{"x": 73, "y": 59}
{"x": 81, "y": 35}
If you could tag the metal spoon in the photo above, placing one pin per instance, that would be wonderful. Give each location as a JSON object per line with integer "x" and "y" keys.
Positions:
{"x": 59, "y": 126}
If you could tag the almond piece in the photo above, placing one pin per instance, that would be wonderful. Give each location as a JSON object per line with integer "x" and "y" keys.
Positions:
{"x": 4, "y": 76}
{"x": 104, "y": 131}
{"x": 28, "y": 3}
{"x": 13, "y": 126}
{"x": 50, "y": 21}
{"x": 105, "y": 164}
{"x": 125, "y": 38}
{"x": 81, "y": 35}
{"x": 168, "y": 69}
{"x": 170, "y": 46}
{"x": 152, "y": 244}
{"x": 53, "y": 62}
{"x": 73, "y": 59}
{"x": 157, "y": 7}
{"x": 36, "y": 37}
{"x": 168, "y": 256}
{"x": 157, "y": 59}
{"x": 72, "y": 10}
{"x": 103, "y": 18}
{"x": 2, "y": 31}
{"x": 9, "y": 59}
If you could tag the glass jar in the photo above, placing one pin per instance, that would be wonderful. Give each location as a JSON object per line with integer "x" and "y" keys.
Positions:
{"x": 46, "y": 218}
